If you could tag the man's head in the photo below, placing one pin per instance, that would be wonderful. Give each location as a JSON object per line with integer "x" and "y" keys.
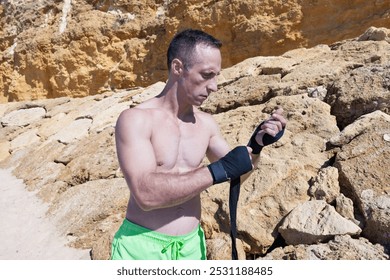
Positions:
{"x": 183, "y": 46}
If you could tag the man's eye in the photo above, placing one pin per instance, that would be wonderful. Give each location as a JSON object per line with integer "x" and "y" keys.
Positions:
{"x": 208, "y": 75}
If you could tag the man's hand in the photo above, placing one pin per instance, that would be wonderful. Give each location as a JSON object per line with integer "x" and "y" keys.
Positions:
{"x": 268, "y": 132}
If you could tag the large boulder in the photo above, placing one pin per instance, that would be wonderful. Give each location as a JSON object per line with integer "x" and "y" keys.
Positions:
{"x": 363, "y": 168}
{"x": 313, "y": 222}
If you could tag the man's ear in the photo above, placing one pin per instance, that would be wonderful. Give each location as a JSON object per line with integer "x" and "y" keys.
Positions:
{"x": 177, "y": 66}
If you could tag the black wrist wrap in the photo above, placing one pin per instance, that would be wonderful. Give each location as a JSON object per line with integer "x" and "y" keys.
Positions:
{"x": 267, "y": 140}
{"x": 256, "y": 148}
{"x": 231, "y": 166}
{"x": 218, "y": 172}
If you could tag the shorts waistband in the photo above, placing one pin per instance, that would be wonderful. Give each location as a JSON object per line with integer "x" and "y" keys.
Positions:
{"x": 137, "y": 229}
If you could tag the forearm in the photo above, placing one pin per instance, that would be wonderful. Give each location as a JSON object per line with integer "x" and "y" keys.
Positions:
{"x": 162, "y": 190}
{"x": 267, "y": 133}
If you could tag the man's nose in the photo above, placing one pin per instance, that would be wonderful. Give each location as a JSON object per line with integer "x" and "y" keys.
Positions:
{"x": 213, "y": 85}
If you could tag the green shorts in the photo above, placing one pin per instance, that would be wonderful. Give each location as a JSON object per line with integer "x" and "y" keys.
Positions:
{"x": 134, "y": 242}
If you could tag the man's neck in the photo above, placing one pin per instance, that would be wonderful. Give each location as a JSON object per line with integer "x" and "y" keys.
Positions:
{"x": 171, "y": 101}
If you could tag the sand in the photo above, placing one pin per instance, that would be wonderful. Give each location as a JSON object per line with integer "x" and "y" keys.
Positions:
{"x": 26, "y": 233}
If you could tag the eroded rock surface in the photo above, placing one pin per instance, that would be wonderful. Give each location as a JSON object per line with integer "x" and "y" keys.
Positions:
{"x": 336, "y": 158}
{"x": 77, "y": 48}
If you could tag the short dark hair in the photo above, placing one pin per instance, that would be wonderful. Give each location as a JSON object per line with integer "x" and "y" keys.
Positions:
{"x": 184, "y": 43}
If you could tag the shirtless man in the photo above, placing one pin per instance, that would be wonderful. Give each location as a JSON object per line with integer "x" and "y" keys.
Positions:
{"x": 161, "y": 144}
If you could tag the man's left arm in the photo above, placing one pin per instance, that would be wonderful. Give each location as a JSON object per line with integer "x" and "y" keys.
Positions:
{"x": 267, "y": 132}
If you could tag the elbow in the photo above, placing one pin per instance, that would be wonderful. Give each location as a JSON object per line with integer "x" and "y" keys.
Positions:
{"x": 146, "y": 206}
{"x": 145, "y": 202}
{"x": 141, "y": 195}
{"x": 146, "y": 195}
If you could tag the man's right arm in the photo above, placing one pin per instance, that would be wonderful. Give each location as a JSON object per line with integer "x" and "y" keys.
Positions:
{"x": 152, "y": 189}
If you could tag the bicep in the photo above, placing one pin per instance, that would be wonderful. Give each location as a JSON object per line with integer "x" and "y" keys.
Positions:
{"x": 218, "y": 147}
{"x": 134, "y": 149}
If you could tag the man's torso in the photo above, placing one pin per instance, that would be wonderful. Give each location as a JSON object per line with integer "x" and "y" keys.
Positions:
{"x": 179, "y": 146}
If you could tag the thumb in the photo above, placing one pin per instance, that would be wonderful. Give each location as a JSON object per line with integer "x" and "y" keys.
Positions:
{"x": 259, "y": 137}
{"x": 278, "y": 111}
{"x": 250, "y": 155}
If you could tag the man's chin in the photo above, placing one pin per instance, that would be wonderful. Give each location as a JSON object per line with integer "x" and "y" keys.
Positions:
{"x": 199, "y": 103}
{"x": 202, "y": 100}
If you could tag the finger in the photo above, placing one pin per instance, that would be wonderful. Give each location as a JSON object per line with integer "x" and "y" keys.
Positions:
{"x": 249, "y": 150}
{"x": 279, "y": 118}
{"x": 270, "y": 131}
{"x": 275, "y": 125}
{"x": 278, "y": 111}
{"x": 259, "y": 137}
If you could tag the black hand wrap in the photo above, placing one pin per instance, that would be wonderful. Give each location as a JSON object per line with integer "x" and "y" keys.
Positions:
{"x": 267, "y": 140}
{"x": 231, "y": 166}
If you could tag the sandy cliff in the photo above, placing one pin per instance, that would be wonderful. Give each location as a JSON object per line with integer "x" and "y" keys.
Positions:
{"x": 71, "y": 48}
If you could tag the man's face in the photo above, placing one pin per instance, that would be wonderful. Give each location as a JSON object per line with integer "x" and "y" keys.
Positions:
{"x": 200, "y": 80}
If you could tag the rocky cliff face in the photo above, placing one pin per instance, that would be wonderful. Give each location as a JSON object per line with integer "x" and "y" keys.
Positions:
{"x": 71, "y": 48}
{"x": 321, "y": 192}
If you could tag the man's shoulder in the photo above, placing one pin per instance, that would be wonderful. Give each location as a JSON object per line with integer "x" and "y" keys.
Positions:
{"x": 134, "y": 117}
{"x": 204, "y": 116}
{"x": 144, "y": 109}
{"x": 133, "y": 113}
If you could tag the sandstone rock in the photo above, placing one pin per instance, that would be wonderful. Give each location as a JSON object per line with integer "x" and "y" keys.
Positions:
{"x": 49, "y": 49}
{"x": 344, "y": 206}
{"x": 363, "y": 164}
{"x": 342, "y": 247}
{"x": 313, "y": 222}
{"x": 101, "y": 249}
{"x": 75, "y": 131}
{"x": 375, "y": 34}
{"x": 29, "y": 137}
{"x": 86, "y": 161}
{"x": 81, "y": 211}
{"x": 364, "y": 91}
{"x": 106, "y": 118}
{"x": 317, "y": 92}
{"x": 360, "y": 126}
{"x": 23, "y": 117}
{"x": 148, "y": 93}
{"x": 54, "y": 125}
{"x": 219, "y": 248}
{"x": 41, "y": 168}
{"x": 232, "y": 96}
{"x": 377, "y": 216}
{"x": 281, "y": 182}
{"x": 326, "y": 185}
{"x": 4, "y": 150}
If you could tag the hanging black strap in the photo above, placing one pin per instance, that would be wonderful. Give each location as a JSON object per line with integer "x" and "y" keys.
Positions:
{"x": 235, "y": 184}
{"x": 233, "y": 200}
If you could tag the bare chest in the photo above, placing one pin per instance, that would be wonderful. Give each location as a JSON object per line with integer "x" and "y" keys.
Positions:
{"x": 179, "y": 146}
